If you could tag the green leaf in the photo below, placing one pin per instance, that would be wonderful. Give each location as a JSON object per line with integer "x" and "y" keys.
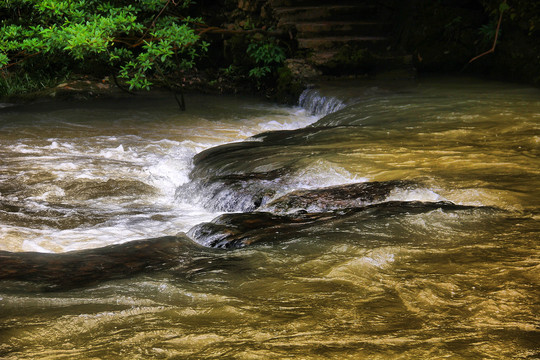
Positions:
{"x": 4, "y": 60}
{"x": 70, "y": 32}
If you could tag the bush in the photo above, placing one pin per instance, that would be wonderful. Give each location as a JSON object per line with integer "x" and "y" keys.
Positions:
{"x": 132, "y": 39}
{"x": 266, "y": 55}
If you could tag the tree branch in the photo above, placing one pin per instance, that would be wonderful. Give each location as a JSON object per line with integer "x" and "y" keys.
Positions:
{"x": 494, "y": 40}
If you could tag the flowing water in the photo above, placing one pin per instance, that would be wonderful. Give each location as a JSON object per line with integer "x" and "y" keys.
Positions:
{"x": 454, "y": 283}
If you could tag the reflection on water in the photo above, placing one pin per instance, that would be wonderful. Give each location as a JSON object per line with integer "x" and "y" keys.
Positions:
{"x": 435, "y": 284}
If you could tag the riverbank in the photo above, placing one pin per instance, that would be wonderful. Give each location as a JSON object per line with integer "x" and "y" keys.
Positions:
{"x": 324, "y": 40}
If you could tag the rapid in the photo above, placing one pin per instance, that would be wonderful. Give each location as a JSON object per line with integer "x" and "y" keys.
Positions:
{"x": 438, "y": 258}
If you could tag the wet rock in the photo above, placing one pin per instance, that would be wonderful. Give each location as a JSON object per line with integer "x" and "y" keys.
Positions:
{"x": 85, "y": 267}
{"x": 337, "y": 197}
{"x": 229, "y": 231}
{"x": 245, "y": 192}
{"x": 238, "y": 230}
{"x": 234, "y": 192}
{"x": 244, "y": 176}
{"x": 260, "y": 154}
{"x": 222, "y": 160}
{"x": 237, "y": 177}
{"x": 241, "y": 229}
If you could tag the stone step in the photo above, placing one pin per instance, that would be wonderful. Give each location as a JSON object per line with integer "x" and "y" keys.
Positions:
{"x": 299, "y": 14}
{"x": 341, "y": 36}
{"x": 384, "y": 60}
{"x": 339, "y": 28}
{"x": 296, "y": 3}
{"x": 334, "y": 42}
{"x": 322, "y": 57}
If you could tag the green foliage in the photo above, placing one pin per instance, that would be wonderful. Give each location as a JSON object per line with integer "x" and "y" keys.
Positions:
{"x": 503, "y": 7}
{"x": 23, "y": 83}
{"x": 266, "y": 55}
{"x": 526, "y": 13}
{"x": 133, "y": 38}
{"x": 487, "y": 32}
{"x": 231, "y": 70}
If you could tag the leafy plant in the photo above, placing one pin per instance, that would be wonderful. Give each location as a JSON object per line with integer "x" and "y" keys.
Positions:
{"x": 488, "y": 32}
{"x": 266, "y": 55}
{"x": 134, "y": 38}
{"x": 231, "y": 70}
{"x": 493, "y": 31}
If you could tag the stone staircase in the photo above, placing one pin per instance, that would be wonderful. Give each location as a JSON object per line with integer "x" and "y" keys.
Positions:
{"x": 327, "y": 31}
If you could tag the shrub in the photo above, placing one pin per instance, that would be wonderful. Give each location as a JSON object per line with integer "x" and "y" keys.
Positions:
{"x": 131, "y": 38}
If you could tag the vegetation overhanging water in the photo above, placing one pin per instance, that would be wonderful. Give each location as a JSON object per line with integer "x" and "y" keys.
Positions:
{"x": 386, "y": 281}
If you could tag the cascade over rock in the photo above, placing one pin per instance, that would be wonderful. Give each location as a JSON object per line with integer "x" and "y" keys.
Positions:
{"x": 237, "y": 230}
{"x": 257, "y": 181}
{"x": 285, "y": 218}
{"x": 245, "y": 175}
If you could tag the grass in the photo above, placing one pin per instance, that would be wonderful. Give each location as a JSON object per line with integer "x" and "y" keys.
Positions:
{"x": 19, "y": 83}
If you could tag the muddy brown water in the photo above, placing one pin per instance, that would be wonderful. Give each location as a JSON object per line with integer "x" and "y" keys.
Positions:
{"x": 432, "y": 284}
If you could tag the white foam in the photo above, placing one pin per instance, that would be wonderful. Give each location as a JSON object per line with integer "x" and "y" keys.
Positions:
{"x": 317, "y": 104}
{"x": 164, "y": 164}
{"x": 419, "y": 194}
{"x": 322, "y": 173}
{"x": 33, "y": 246}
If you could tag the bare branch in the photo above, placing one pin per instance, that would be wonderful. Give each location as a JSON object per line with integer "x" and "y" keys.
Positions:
{"x": 494, "y": 40}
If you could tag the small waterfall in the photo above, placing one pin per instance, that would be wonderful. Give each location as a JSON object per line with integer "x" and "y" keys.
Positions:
{"x": 317, "y": 104}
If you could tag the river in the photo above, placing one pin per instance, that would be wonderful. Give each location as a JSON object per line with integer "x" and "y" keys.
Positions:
{"x": 444, "y": 264}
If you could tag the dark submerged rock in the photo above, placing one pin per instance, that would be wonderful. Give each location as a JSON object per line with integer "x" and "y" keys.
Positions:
{"x": 86, "y": 267}
{"x": 337, "y": 197}
{"x": 242, "y": 229}
{"x": 237, "y": 230}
